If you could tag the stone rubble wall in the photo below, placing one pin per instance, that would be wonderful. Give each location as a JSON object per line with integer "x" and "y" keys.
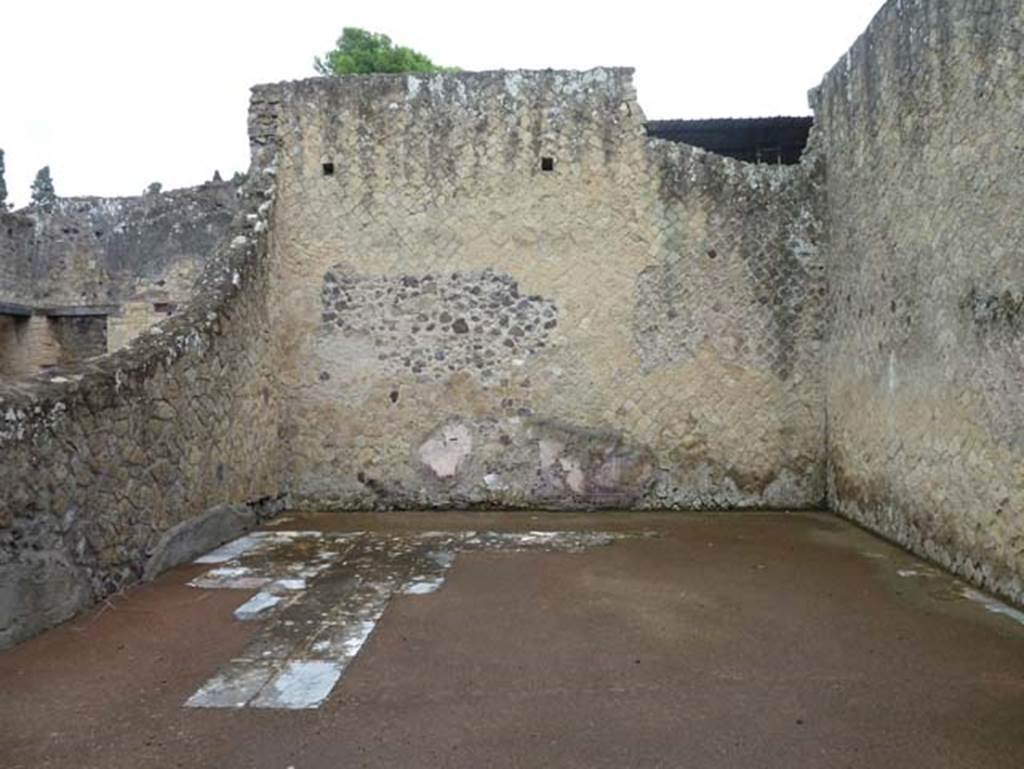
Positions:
{"x": 26, "y": 344}
{"x": 456, "y": 326}
{"x": 151, "y": 453}
{"x": 105, "y": 251}
{"x": 921, "y": 126}
{"x": 125, "y": 264}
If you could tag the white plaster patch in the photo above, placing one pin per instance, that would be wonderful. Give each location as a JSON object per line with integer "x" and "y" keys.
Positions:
{"x": 232, "y": 549}
{"x": 257, "y": 606}
{"x": 230, "y": 577}
{"x": 573, "y": 474}
{"x": 423, "y": 586}
{"x": 445, "y": 454}
{"x": 301, "y": 685}
{"x": 493, "y": 482}
{"x": 258, "y": 541}
{"x": 287, "y": 584}
{"x": 538, "y": 536}
{"x": 233, "y": 687}
{"x": 355, "y": 643}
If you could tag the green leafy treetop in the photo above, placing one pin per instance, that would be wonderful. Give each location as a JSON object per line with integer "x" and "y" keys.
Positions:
{"x": 43, "y": 194}
{"x": 359, "y": 52}
{"x": 3, "y": 184}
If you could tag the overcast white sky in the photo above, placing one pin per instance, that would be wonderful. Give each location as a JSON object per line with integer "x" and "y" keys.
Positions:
{"x": 115, "y": 94}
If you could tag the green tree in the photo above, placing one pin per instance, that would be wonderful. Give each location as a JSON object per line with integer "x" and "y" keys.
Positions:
{"x": 359, "y": 52}
{"x": 43, "y": 194}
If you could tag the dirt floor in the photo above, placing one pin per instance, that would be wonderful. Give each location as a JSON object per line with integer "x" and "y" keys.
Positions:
{"x": 727, "y": 640}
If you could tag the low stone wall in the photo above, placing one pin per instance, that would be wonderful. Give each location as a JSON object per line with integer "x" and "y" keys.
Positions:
{"x": 921, "y": 128}
{"x": 493, "y": 289}
{"x": 115, "y": 465}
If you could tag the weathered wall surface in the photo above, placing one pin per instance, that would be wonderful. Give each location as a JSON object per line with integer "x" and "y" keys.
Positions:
{"x": 27, "y": 344}
{"x": 921, "y": 126}
{"x": 639, "y": 326}
{"x": 131, "y": 260}
{"x": 104, "y": 251}
{"x": 493, "y": 289}
{"x": 129, "y": 462}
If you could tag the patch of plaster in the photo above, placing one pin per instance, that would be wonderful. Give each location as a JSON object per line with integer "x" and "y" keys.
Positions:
{"x": 445, "y": 452}
{"x": 300, "y": 685}
{"x": 255, "y": 606}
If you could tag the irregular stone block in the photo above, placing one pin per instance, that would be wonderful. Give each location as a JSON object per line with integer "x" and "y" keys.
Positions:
{"x": 39, "y": 591}
{"x": 193, "y": 537}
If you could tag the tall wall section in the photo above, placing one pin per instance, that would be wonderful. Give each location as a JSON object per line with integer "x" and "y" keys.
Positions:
{"x": 493, "y": 289}
{"x": 127, "y": 464}
{"x": 922, "y": 127}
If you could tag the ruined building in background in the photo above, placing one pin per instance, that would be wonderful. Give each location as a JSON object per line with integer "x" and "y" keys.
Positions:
{"x": 507, "y": 289}
{"x": 83, "y": 276}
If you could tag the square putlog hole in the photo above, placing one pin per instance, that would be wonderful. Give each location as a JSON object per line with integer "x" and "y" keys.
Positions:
{"x": 328, "y": 169}
{"x": 547, "y": 164}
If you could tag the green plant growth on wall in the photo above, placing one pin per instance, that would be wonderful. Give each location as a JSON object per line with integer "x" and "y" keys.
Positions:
{"x": 359, "y": 52}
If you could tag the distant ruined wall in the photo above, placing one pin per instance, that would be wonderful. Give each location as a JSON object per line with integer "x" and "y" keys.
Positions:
{"x": 639, "y": 326}
{"x": 104, "y": 251}
{"x": 27, "y": 344}
{"x": 922, "y": 127}
{"x": 134, "y": 461}
{"x": 79, "y": 338}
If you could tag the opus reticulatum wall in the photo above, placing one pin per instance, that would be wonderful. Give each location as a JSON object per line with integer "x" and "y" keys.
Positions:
{"x": 493, "y": 289}
{"x": 921, "y": 125}
{"x": 456, "y": 325}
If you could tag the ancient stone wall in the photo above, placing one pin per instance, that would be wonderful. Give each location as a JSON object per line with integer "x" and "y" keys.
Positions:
{"x": 79, "y": 337}
{"x": 494, "y": 289}
{"x": 132, "y": 462}
{"x": 27, "y": 344}
{"x": 104, "y": 251}
{"x": 129, "y": 261}
{"x": 921, "y": 125}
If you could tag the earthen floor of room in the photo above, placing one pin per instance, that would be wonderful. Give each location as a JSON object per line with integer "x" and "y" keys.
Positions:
{"x": 483, "y": 639}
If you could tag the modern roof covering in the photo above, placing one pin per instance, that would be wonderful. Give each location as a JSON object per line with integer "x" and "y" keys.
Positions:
{"x": 753, "y": 140}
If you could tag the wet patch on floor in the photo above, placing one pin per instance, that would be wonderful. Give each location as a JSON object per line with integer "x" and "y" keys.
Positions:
{"x": 925, "y": 581}
{"x": 321, "y": 595}
{"x": 993, "y": 605}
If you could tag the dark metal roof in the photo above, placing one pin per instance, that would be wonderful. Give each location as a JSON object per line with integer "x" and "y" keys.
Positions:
{"x": 753, "y": 140}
